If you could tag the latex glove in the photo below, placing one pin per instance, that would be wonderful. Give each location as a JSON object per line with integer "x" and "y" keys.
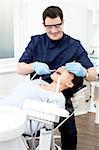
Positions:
{"x": 40, "y": 68}
{"x": 76, "y": 68}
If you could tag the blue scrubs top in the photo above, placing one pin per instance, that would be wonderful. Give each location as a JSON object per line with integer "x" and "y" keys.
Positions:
{"x": 55, "y": 53}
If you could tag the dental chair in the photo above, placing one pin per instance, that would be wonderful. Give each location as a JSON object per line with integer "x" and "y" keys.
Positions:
{"x": 50, "y": 114}
{"x": 81, "y": 100}
{"x": 13, "y": 121}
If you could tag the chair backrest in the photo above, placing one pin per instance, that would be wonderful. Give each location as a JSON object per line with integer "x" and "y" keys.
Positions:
{"x": 81, "y": 100}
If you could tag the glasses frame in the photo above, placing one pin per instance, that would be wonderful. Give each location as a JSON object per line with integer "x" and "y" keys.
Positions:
{"x": 57, "y": 26}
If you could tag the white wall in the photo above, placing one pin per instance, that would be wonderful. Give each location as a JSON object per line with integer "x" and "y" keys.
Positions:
{"x": 75, "y": 16}
{"x": 93, "y": 27}
{"x": 28, "y": 21}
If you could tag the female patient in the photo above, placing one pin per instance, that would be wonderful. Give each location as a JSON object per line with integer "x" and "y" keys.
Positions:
{"x": 42, "y": 91}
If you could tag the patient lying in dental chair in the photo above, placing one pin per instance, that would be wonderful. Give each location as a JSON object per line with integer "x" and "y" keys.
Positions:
{"x": 40, "y": 90}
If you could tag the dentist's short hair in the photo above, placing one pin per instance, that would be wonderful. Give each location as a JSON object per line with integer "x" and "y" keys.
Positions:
{"x": 52, "y": 12}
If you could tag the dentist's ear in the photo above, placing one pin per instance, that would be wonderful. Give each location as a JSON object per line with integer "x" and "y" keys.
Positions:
{"x": 69, "y": 84}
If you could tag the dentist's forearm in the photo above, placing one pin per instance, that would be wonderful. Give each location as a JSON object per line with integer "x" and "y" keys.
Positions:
{"x": 91, "y": 74}
{"x": 24, "y": 68}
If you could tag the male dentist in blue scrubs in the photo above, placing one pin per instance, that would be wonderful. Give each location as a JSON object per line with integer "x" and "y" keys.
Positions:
{"x": 51, "y": 50}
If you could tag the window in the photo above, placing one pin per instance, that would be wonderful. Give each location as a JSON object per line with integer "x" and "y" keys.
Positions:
{"x": 18, "y": 23}
{"x": 6, "y": 31}
{"x": 8, "y": 35}
{"x": 7, "y": 53}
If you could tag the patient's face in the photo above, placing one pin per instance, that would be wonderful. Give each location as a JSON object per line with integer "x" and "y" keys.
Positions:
{"x": 65, "y": 76}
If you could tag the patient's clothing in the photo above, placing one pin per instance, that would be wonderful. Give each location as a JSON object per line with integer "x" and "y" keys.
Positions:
{"x": 32, "y": 90}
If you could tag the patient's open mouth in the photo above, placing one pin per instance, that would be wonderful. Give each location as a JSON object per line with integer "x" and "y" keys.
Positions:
{"x": 58, "y": 72}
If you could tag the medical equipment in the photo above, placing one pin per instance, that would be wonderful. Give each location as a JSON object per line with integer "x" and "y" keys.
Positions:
{"x": 94, "y": 107}
{"x": 12, "y": 126}
{"x": 49, "y": 114}
{"x": 39, "y": 111}
{"x": 35, "y": 74}
{"x": 81, "y": 100}
{"x": 95, "y": 97}
{"x": 95, "y": 61}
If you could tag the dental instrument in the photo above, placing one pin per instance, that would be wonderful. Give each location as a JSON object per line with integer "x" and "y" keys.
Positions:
{"x": 51, "y": 70}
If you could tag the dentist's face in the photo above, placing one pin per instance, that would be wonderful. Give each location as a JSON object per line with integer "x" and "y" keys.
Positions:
{"x": 65, "y": 77}
{"x": 54, "y": 28}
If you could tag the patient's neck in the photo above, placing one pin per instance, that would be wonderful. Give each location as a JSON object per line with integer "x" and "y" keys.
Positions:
{"x": 52, "y": 87}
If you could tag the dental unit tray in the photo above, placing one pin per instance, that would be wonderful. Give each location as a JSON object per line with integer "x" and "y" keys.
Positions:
{"x": 49, "y": 114}
{"x": 44, "y": 112}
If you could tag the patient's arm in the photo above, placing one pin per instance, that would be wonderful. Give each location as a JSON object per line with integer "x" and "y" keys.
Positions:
{"x": 22, "y": 91}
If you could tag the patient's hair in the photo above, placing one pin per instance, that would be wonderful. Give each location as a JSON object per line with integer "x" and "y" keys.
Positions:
{"x": 77, "y": 81}
{"x": 68, "y": 93}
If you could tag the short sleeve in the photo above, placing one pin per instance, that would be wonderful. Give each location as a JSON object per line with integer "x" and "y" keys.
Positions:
{"x": 82, "y": 57}
{"x": 28, "y": 54}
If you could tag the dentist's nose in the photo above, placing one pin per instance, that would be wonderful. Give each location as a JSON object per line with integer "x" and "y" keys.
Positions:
{"x": 53, "y": 29}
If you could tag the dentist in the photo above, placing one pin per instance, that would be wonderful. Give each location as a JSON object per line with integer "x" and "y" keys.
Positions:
{"x": 51, "y": 50}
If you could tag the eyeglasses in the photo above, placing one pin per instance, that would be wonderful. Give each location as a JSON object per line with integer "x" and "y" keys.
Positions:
{"x": 54, "y": 25}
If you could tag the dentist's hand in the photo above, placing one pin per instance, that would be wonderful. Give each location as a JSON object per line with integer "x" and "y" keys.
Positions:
{"x": 40, "y": 68}
{"x": 76, "y": 68}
